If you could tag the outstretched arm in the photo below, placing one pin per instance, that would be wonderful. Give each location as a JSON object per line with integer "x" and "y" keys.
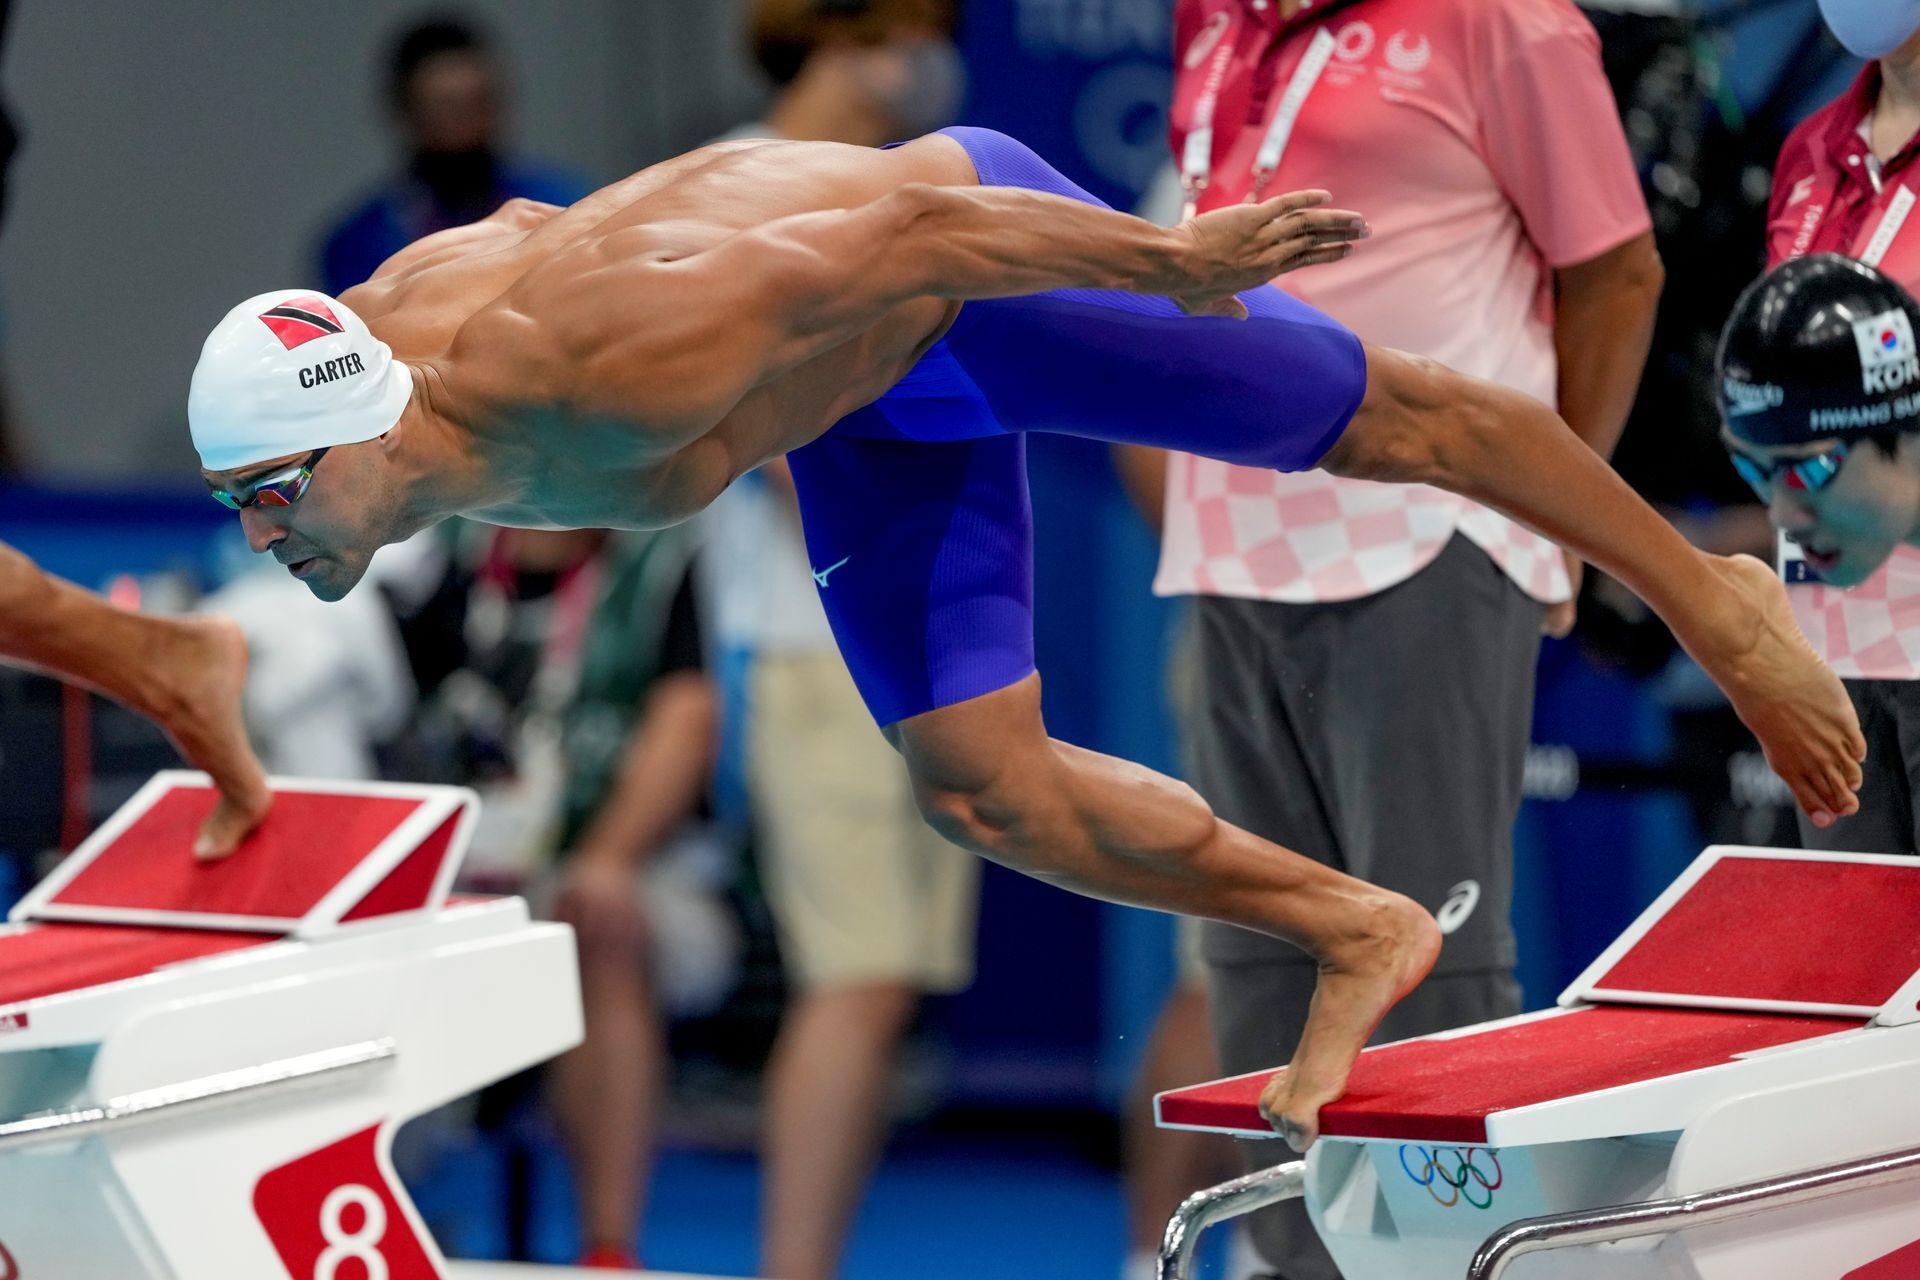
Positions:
{"x": 766, "y": 300}
{"x": 962, "y": 243}
{"x": 1421, "y": 422}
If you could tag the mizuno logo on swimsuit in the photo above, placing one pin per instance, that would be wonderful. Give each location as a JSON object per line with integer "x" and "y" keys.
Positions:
{"x": 329, "y": 370}
{"x": 820, "y": 575}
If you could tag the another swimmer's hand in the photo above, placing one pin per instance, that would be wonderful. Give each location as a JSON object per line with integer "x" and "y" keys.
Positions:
{"x": 1244, "y": 246}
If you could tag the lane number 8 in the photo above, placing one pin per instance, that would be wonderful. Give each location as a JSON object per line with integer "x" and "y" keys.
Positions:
{"x": 362, "y": 1246}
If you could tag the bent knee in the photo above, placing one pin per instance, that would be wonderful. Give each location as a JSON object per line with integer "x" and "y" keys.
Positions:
{"x": 971, "y": 817}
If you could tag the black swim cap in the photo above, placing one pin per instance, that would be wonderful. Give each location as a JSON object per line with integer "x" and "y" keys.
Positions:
{"x": 1816, "y": 349}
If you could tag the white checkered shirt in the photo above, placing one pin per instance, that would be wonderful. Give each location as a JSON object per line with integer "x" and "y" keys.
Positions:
{"x": 1309, "y": 537}
{"x": 1872, "y": 631}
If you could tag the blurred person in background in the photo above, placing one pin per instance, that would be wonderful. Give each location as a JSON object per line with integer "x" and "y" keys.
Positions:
{"x": 874, "y": 910}
{"x": 564, "y": 677}
{"x": 1367, "y": 651}
{"x": 1846, "y": 183}
{"x": 446, "y": 96}
{"x": 637, "y": 739}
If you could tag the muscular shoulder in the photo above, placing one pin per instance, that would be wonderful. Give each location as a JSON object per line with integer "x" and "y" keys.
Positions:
{"x": 605, "y": 330}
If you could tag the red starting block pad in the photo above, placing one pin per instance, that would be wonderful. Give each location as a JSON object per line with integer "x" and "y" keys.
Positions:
{"x": 1774, "y": 930}
{"x": 1759, "y": 1018}
{"x": 1443, "y": 1089}
{"x": 328, "y": 854}
{"x": 202, "y": 1065}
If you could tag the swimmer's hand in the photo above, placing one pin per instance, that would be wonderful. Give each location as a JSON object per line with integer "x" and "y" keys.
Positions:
{"x": 1245, "y": 246}
{"x": 1751, "y": 646}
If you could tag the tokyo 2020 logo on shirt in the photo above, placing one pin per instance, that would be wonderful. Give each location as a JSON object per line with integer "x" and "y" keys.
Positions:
{"x": 1354, "y": 42}
{"x": 1455, "y": 1175}
{"x": 1409, "y": 53}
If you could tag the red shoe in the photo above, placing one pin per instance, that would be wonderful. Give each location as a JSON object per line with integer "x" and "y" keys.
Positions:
{"x": 608, "y": 1257}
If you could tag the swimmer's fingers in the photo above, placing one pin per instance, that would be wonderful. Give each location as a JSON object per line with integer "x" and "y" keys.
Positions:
{"x": 1292, "y": 201}
{"x": 224, "y": 829}
{"x": 1304, "y": 239}
{"x": 1285, "y": 221}
{"x": 1228, "y": 306}
{"x": 1293, "y": 224}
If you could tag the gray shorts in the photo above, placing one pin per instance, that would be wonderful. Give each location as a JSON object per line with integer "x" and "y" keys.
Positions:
{"x": 1386, "y": 736}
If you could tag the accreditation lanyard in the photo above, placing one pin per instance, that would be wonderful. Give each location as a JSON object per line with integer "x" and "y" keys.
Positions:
{"x": 1196, "y": 159}
{"x": 1892, "y": 220}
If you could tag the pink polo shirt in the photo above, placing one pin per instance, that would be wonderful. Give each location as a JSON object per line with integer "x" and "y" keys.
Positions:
{"x": 1831, "y": 196}
{"x": 1481, "y": 141}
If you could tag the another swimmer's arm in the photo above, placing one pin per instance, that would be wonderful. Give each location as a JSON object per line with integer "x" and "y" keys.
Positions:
{"x": 1421, "y": 422}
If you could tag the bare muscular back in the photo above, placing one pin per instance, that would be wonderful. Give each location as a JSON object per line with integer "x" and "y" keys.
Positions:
{"x": 512, "y": 317}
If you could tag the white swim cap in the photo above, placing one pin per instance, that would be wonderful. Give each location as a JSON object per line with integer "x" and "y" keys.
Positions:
{"x": 289, "y": 372}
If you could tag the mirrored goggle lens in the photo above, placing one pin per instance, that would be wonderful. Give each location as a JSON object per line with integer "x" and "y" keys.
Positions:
{"x": 1809, "y": 475}
{"x": 282, "y": 492}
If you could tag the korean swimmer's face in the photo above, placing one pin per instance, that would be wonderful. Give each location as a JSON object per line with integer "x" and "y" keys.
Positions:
{"x": 1847, "y": 504}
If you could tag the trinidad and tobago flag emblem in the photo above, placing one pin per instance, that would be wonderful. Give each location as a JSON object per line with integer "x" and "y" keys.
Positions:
{"x": 301, "y": 319}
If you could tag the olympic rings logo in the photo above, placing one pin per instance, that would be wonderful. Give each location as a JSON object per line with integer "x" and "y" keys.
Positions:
{"x": 1453, "y": 1174}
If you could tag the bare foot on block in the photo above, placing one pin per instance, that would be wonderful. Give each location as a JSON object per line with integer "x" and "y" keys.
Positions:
{"x": 1392, "y": 949}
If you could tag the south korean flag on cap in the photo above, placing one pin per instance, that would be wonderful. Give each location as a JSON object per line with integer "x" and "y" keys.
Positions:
{"x": 1889, "y": 359}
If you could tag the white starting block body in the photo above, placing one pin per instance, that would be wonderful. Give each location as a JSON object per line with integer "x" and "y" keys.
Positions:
{"x": 202, "y": 1066}
{"x": 1761, "y": 1018}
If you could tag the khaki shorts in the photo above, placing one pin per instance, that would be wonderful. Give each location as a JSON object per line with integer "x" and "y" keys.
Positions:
{"x": 862, "y": 889}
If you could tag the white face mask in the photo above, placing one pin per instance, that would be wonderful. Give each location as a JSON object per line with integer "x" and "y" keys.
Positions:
{"x": 1871, "y": 28}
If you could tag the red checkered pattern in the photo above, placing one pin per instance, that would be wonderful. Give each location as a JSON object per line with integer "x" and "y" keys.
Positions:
{"x": 1871, "y": 631}
{"x": 1309, "y": 537}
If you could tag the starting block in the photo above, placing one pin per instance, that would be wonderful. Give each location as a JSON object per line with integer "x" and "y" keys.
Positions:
{"x": 202, "y": 1065}
{"x": 1727, "y": 1093}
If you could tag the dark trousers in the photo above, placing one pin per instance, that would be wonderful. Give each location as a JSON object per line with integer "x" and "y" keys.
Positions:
{"x": 1890, "y": 719}
{"x": 1387, "y": 737}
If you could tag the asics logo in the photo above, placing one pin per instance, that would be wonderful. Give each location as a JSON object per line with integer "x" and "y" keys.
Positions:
{"x": 1461, "y": 900}
{"x": 820, "y": 575}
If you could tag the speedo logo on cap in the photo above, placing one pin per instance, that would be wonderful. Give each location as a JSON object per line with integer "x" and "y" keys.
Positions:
{"x": 1751, "y": 397}
{"x": 1888, "y": 357}
{"x": 299, "y": 320}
